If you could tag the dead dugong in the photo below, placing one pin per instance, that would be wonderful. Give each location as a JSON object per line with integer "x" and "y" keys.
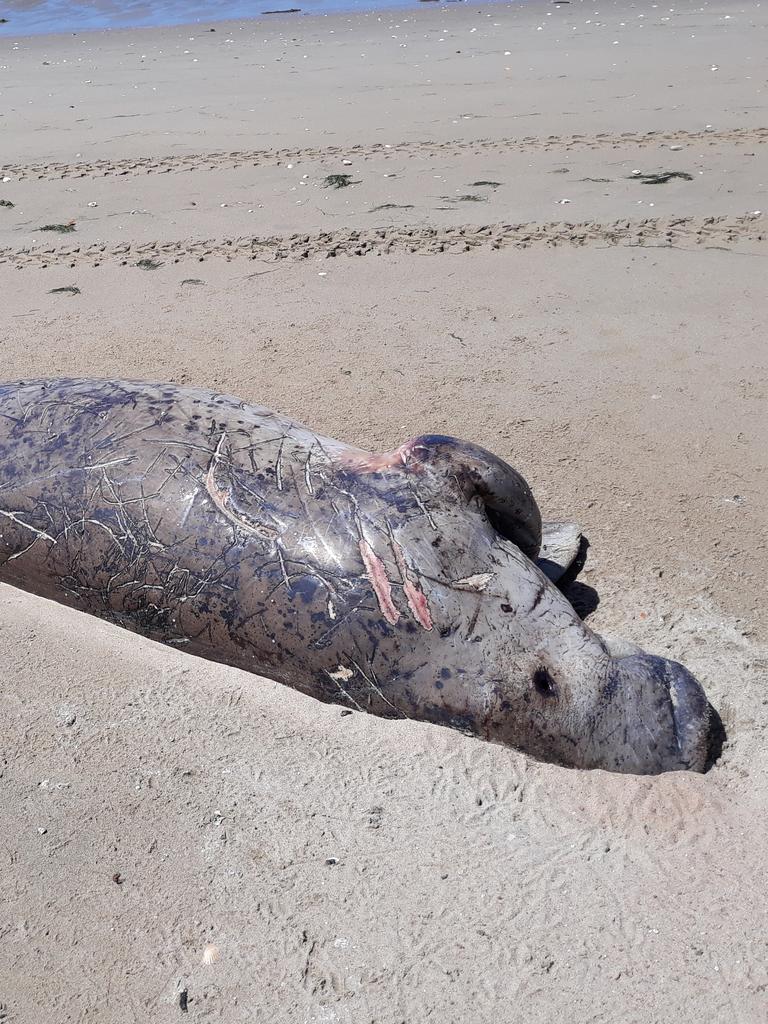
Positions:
{"x": 403, "y": 584}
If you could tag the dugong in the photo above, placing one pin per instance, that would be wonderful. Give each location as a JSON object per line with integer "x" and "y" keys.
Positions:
{"x": 408, "y": 584}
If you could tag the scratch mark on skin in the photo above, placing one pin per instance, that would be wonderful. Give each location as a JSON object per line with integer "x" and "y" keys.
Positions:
{"x": 473, "y": 621}
{"x": 136, "y": 586}
{"x": 308, "y": 472}
{"x": 102, "y": 526}
{"x": 347, "y": 614}
{"x": 23, "y": 551}
{"x": 327, "y": 547}
{"x": 142, "y": 498}
{"x": 421, "y": 504}
{"x": 115, "y": 441}
{"x": 160, "y": 455}
{"x": 112, "y": 462}
{"x": 252, "y": 443}
{"x": 542, "y": 588}
{"x": 304, "y": 574}
{"x": 279, "y": 466}
{"x": 116, "y": 499}
{"x": 43, "y": 477}
{"x": 377, "y": 575}
{"x": 317, "y": 530}
{"x": 417, "y": 601}
{"x": 25, "y": 413}
{"x": 41, "y": 534}
{"x": 221, "y": 498}
{"x": 186, "y": 445}
{"x": 373, "y": 683}
{"x": 283, "y": 570}
{"x": 265, "y": 507}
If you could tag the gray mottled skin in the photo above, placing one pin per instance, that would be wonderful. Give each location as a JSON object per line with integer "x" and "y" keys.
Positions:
{"x": 398, "y": 584}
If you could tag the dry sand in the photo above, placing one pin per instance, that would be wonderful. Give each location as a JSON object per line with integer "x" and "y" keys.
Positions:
{"x": 613, "y": 348}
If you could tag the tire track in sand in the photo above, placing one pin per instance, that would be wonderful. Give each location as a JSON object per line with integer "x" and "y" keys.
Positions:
{"x": 274, "y": 157}
{"x": 704, "y": 232}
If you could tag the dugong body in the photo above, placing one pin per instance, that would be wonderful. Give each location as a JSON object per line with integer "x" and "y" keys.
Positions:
{"x": 401, "y": 584}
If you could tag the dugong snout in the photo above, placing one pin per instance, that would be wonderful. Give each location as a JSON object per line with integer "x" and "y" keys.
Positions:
{"x": 666, "y": 716}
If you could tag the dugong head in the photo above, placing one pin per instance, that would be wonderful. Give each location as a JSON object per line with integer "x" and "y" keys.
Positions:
{"x": 520, "y": 666}
{"x": 548, "y": 685}
{"x": 567, "y": 695}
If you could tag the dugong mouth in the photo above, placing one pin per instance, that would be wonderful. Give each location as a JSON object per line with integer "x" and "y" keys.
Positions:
{"x": 669, "y": 715}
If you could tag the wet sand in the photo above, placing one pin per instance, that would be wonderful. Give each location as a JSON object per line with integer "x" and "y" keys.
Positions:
{"x": 495, "y": 269}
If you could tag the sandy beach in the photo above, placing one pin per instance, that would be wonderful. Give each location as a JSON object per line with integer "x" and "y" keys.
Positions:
{"x": 552, "y": 240}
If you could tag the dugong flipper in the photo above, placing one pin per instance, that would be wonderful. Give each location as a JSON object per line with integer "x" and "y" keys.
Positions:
{"x": 561, "y": 556}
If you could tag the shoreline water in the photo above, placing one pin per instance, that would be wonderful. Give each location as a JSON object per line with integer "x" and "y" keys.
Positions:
{"x": 52, "y": 18}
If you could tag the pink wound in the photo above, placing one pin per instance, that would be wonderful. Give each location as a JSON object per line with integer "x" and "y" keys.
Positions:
{"x": 382, "y": 588}
{"x": 417, "y": 602}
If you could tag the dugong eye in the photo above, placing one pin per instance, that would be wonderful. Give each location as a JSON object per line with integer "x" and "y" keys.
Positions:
{"x": 543, "y": 683}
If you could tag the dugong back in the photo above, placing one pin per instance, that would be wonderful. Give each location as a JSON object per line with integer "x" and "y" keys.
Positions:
{"x": 171, "y": 511}
{"x": 233, "y": 533}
